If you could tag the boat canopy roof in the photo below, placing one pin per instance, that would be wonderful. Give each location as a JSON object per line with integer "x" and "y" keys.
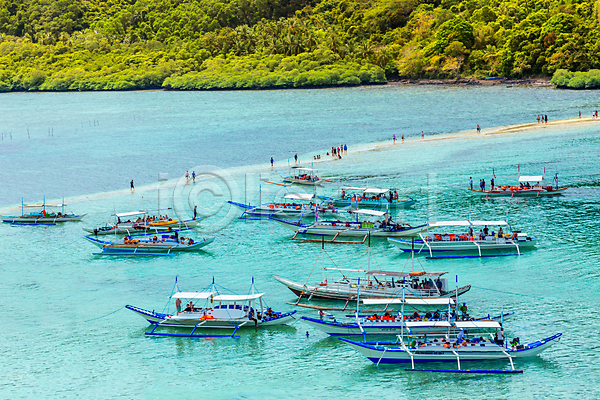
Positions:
{"x": 299, "y": 196}
{"x": 129, "y": 214}
{"x": 216, "y": 297}
{"x": 414, "y": 324}
{"x": 439, "y": 301}
{"x": 534, "y": 178}
{"x": 434, "y": 224}
{"x": 477, "y": 324}
{"x": 368, "y": 212}
{"x": 404, "y": 274}
{"x": 304, "y": 169}
{"x": 353, "y": 188}
{"x": 376, "y": 190}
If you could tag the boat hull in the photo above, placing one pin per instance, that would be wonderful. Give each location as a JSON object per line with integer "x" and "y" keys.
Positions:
{"x": 464, "y": 246}
{"x": 147, "y": 247}
{"x": 437, "y": 352}
{"x": 538, "y": 192}
{"x": 129, "y": 229}
{"x": 373, "y": 204}
{"x": 350, "y": 229}
{"x": 193, "y": 321}
{"x": 349, "y": 292}
{"x": 40, "y": 220}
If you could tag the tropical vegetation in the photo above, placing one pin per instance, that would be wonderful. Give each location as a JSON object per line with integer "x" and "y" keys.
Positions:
{"x": 247, "y": 44}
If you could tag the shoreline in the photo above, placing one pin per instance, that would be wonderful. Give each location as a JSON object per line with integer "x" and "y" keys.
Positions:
{"x": 500, "y": 81}
{"x": 354, "y": 150}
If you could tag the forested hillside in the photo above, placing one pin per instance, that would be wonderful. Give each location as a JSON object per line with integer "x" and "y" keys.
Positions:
{"x": 217, "y": 44}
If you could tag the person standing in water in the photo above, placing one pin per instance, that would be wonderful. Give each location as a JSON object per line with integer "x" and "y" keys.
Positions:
{"x": 422, "y": 135}
{"x": 402, "y": 138}
{"x": 131, "y": 186}
{"x": 271, "y": 162}
{"x": 194, "y": 176}
{"x": 296, "y": 158}
{"x": 471, "y": 182}
{"x": 195, "y": 211}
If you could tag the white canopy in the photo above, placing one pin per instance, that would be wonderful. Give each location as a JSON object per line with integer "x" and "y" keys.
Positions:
{"x": 477, "y": 324}
{"x": 304, "y": 169}
{"x": 128, "y": 214}
{"x": 414, "y": 302}
{"x": 413, "y": 324}
{"x": 220, "y": 297}
{"x": 434, "y": 224}
{"x": 536, "y": 178}
{"x": 353, "y": 188}
{"x": 376, "y": 191}
{"x": 299, "y": 196}
{"x": 368, "y": 212}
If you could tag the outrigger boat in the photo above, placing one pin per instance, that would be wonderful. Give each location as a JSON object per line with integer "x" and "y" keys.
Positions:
{"x": 371, "y": 198}
{"x": 288, "y": 209}
{"x": 454, "y": 244}
{"x": 357, "y": 229}
{"x": 143, "y": 224}
{"x": 302, "y": 176}
{"x": 391, "y": 323}
{"x": 209, "y": 309}
{"x": 42, "y": 217}
{"x": 376, "y": 285}
{"x": 528, "y": 186}
{"x": 451, "y": 348}
{"x": 372, "y": 284}
{"x": 150, "y": 244}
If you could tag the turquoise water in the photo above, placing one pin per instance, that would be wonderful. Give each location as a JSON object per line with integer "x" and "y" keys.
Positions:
{"x": 66, "y": 333}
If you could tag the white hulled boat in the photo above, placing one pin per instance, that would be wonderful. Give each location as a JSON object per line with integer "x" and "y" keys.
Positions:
{"x": 164, "y": 243}
{"x": 358, "y": 229}
{"x": 144, "y": 223}
{"x": 370, "y": 198}
{"x": 527, "y": 186}
{"x": 42, "y": 217}
{"x": 210, "y": 309}
{"x": 460, "y": 237}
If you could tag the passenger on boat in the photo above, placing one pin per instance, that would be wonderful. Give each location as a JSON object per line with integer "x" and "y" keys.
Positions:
{"x": 481, "y": 235}
{"x": 270, "y": 313}
{"x": 499, "y": 340}
{"x": 252, "y": 318}
{"x": 416, "y": 315}
{"x": 461, "y": 336}
{"x": 189, "y": 307}
{"x": 436, "y": 314}
{"x": 463, "y": 310}
{"x": 500, "y": 233}
{"x": 486, "y": 231}
{"x": 178, "y": 305}
{"x": 343, "y": 194}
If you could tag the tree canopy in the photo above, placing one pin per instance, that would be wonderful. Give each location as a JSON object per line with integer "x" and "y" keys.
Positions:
{"x": 245, "y": 44}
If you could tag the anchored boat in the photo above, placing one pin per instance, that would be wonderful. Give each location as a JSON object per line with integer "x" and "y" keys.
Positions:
{"x": 417, "y": 316}
{"x": 458, "y": 239}
{"x": 527, "y": 186}
{"x": 370, "y": 198}
{"x": 45, "y": 216}
{"x": 356, "y": 229}
{"x": 127, "y": 224}
{"x": 302, "y": 176}
{"x": 211, "y": 309}
{"x": 150, "y": 244}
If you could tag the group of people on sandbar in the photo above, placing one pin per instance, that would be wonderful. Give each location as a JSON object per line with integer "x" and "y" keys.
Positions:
{"x": 542, "y": 119}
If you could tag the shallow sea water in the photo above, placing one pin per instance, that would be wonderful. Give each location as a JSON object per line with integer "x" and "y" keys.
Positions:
{"x": 66, "y": 333}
